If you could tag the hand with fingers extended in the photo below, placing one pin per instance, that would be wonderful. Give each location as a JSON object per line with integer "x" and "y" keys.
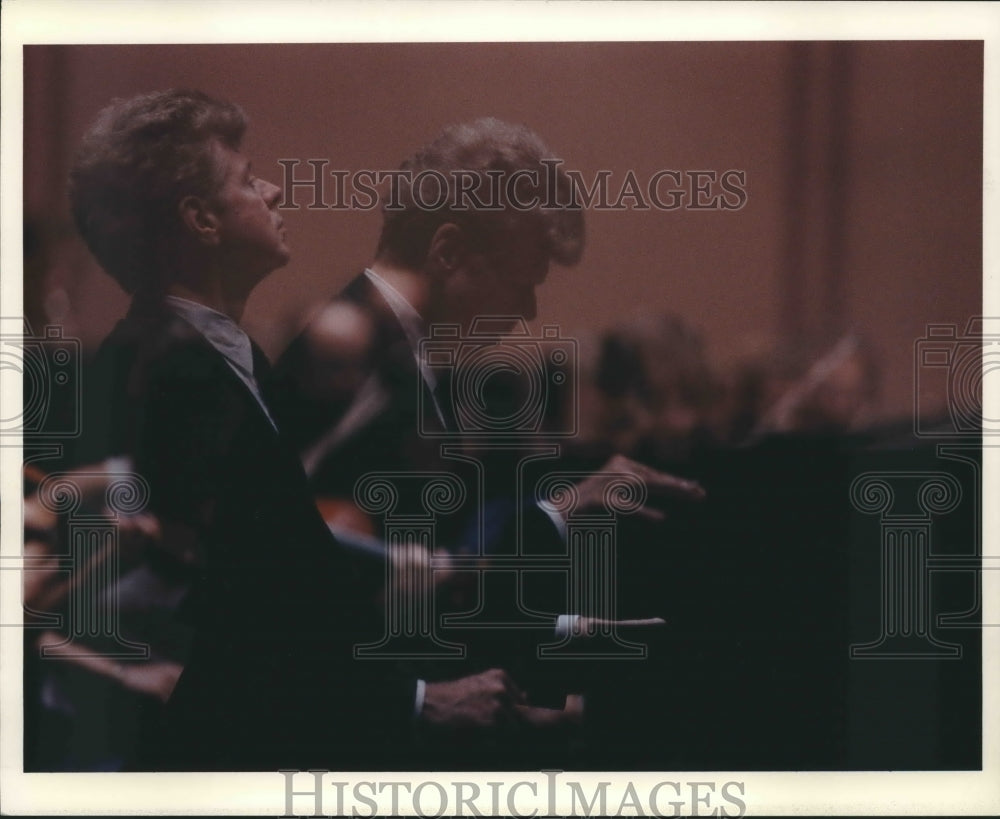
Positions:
{"x": 489, "y": 703}
{"x": 660, "y": 487}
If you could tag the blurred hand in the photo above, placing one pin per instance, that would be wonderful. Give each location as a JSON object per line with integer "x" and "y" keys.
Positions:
{"x": 479, "y": 702}
{"x": 412, "y": 570}
{"x": 91, "y": 482}
{"x": 37, "y": 517}
{"x": 157, "y": 679}
{"x": 552, "y": 719}
{"x": 136, "y": 534}
{"x": 591, "y": 491}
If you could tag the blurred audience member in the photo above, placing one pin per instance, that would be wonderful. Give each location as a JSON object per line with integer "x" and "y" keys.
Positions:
{"x": 835, "y": 393}
{"x": 329, "y": 364}
{"x": 103, "y": 645}
{"x": 657, "y": 392}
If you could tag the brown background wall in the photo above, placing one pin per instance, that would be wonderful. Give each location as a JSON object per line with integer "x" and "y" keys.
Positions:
{"x": 863, "y": 164}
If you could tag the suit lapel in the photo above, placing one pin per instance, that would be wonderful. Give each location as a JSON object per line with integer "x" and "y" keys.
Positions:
{"x": 395, "y": 362}
{"x": 175, "y": 336}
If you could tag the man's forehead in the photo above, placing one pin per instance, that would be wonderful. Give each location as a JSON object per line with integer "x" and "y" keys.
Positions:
{"x": 229, "y": 158}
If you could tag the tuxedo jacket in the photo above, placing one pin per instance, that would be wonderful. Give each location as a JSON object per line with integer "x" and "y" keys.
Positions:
{"x": 272, "y": 681}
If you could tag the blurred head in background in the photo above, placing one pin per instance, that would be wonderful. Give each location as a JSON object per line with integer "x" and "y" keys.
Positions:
{"x": 481, "y": 212}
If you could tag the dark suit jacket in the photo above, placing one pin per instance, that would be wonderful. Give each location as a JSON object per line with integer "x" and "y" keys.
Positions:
{"x": 271, "y": 681}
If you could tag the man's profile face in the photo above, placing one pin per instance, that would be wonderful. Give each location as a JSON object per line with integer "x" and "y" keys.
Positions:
{"x": 252, "y": 233}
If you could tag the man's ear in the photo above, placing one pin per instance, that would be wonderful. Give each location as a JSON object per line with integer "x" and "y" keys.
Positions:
{"x": 199, "y": 220}
{"x": 447, "y": 249}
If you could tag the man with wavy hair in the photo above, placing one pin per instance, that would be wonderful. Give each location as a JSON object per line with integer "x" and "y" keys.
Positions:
{"x": 471, "y": 225}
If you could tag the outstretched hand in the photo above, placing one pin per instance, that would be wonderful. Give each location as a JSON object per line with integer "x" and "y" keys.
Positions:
{"x": 492, "y": 701}
{"x": 660, "y": 486}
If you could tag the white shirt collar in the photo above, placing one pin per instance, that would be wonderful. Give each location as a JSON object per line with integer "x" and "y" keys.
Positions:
{"x": 414, "y": 328}
{"x": 406, "y": 313}
{"x": 221, "y": 331}
{"x": 227, "y": 338}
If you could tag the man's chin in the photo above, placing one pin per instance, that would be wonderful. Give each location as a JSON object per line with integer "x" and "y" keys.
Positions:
{"x": 281, "y": 260}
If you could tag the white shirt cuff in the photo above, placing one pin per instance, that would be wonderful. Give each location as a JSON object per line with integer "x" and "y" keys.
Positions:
{"x": 118, "y": 464}
{"x": 565, "y": 623}
{"x": 555, "y": 516}
{"x": 418, "y": 698}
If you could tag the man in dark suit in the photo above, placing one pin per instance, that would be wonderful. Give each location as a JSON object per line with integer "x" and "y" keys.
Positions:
{"x": 172, "y": 210}
{"x": 464, "y": 254}
{"x": 471, "y": 227}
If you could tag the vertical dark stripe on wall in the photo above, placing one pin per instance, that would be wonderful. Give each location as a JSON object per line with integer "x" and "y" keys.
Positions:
{"x": 793, "y": 276}
{"x": 838, "y": 180}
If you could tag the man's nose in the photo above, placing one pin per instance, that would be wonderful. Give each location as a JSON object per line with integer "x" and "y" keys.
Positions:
{"x": 269, "y": 192}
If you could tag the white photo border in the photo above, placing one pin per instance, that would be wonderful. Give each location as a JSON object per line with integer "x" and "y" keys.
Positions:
{"x": 252, "y": 21}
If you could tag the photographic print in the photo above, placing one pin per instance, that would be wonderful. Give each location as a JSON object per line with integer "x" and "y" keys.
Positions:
{"x": 487, "y": 410}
